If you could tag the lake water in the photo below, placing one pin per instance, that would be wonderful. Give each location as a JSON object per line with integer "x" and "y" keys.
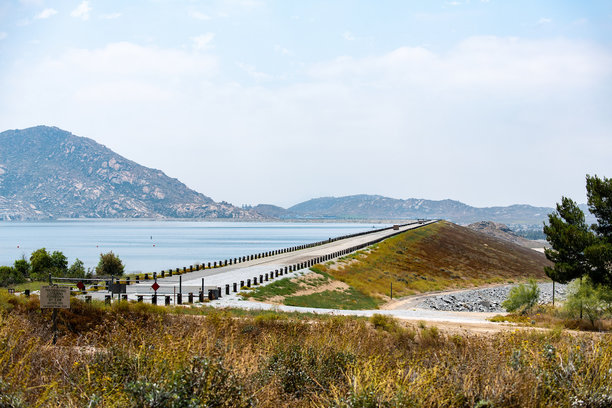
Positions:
{"x": 147, "y": 246}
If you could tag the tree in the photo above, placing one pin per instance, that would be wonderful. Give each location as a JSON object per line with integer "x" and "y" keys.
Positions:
{"x": 599, "y": 254}
{"x": 568, "y": 235}
{"x": 41, "y": 264}
{"x": 578, "y": 250}
{"x": 59, "y": 263}
{"x": 109, "y": 264}
{"x": 22, "y": 266}
{"x": 10, "y": 276}
{"x": 76, "y": 270}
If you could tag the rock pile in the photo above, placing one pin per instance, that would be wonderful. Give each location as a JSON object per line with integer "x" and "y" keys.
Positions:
{"x": 486, "y": 300}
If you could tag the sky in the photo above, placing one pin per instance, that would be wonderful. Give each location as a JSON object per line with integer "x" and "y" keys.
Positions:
{"x": 491, "y": 103}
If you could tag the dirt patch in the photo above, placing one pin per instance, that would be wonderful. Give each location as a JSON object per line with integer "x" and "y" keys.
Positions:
{"x": 309, "y": 284}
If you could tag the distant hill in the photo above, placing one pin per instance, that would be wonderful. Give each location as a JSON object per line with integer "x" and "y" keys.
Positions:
{"x": 272, "y": 211}
{"x": 46, "y": 172}
{"x": 379, "y": 207}
{"x": 504, "y": 232}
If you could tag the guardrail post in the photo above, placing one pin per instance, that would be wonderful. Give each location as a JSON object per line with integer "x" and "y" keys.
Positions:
{"x": 260, "y": 279}
{"x": 107, "y": 299}
{"x": 248, "y": 283}
{"x": 254, "y": 280}
{"x": 266, "y": 276}
{"x": 140, "y": 298}
{"x": 190, "y": 298}
{"x": 146, "y": 276}
{"x": 179, "y": 299}
{"x": 241, "y": 284}
{"x": 201, "y": 296}
{"x": 218, "y": 292}
{"x": 124, "y": 297}
{"x": 234, "y": 287}
{"x": 227, "y": 289}
{"x": 167, "y": 300}
{"x": 154, "y": 299}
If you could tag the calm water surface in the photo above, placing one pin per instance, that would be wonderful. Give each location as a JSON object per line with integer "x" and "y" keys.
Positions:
{"x": 146, "y": 246}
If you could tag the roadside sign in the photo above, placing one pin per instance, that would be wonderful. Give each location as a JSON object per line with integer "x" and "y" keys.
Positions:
{"x": 155, "y": 286}
{"x": 55, "y": 297}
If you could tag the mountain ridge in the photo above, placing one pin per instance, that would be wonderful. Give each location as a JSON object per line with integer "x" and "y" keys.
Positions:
{"x": 47, "y": 172}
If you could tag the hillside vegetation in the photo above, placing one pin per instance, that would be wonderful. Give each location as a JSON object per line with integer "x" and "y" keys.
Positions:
{"x": 435, "y": 257}
{"x": 137, "y": 355}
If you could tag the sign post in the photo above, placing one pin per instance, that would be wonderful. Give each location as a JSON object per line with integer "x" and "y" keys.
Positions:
{"x": 54, "y": 297}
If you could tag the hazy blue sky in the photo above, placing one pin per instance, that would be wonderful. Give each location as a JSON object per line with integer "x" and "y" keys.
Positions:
{"x": 253, "y": 101}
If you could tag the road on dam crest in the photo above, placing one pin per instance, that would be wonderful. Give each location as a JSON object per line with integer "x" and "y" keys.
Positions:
{"x": 254, "y": 270}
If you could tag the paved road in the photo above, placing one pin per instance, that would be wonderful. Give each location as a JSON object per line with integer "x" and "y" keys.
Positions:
{"x": 219, "y": 277}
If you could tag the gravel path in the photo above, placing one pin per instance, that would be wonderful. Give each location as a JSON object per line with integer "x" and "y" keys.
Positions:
{"x": 485, "y": 300}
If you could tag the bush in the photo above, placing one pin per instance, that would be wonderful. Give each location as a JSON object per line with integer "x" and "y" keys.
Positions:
{"x": 384, "y": 322}
{"x": 522, "y": 298}
{"x": 109, "y": 265}
{"x": 592, "y": 301}
{"x": 10, "y": 276}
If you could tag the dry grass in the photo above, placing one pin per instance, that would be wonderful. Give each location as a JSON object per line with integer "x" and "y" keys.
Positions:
{"x": 142, "y": 356}
{"x": 436, "y": 257}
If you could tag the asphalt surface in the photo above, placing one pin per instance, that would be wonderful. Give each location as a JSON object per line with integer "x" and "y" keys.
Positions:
{"x": 219, "y": 277}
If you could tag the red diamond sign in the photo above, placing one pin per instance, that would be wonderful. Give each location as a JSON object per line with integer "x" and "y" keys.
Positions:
{"x": 80, "y": 285}
{"x": 155, "y": 286}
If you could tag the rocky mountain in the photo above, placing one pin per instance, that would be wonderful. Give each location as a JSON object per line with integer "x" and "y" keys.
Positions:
{"x": 272, "y": 211}
{"x": 502, "y": 231}
{"x": 379, "y": 207}
{"x": 46, "y": 172}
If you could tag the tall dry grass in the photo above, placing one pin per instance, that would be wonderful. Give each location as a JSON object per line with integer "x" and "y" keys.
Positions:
{"x": 134, "y": 355}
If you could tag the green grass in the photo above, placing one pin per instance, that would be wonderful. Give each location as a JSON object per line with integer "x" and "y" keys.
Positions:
{"x": 435, "y": 257}
{"x": 282, "y": 287}
{"x": 27, "y": 285}
{"x": 350, "y": 299}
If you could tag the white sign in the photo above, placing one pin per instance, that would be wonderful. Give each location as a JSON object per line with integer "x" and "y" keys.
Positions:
{"x": 56, "y": 297}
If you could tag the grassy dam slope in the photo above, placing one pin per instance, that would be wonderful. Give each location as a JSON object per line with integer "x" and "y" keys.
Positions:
{"x": 435, "y": 257}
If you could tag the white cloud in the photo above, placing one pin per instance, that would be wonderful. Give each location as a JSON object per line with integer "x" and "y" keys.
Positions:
{"x": 203, "y": 42}
{"x": 348, "y": 36}
{"x": 492, "y": 114}
{"x": 544, "y": 20}
{"x": 110, "y": 16}
{"x": 82, "y": 11}
{"x": 3, "y": 35}
{"x": 253, "y": 73}
{"x": 46, "y": 13}
{"x": 199, "y": 15}
{"x": 282, "y": 50}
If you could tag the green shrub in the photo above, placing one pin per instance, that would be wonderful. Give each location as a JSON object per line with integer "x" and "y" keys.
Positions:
{"x": 522, "y": 298}
{"x": 10, "y": 276}
{"x": 384, "y": 322}
{"x": 303, "y": 371}
{"x": 593, "y": 301}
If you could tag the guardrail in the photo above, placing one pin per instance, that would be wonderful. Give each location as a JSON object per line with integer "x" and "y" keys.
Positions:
{"x": 213, "y": 293}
